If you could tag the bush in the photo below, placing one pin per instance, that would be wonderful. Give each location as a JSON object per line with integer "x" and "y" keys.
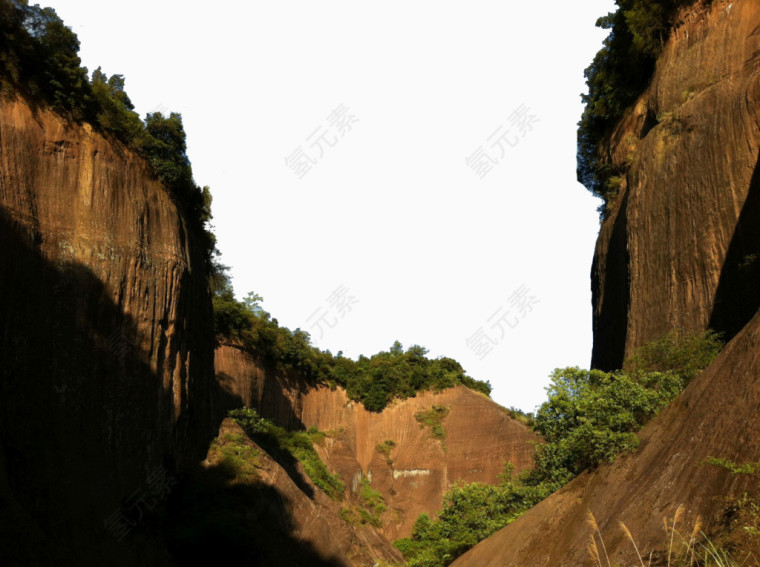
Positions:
{"x": 287, "y": 447}
{"x": 470, "y": 514}
{"x": 590, "y": 418}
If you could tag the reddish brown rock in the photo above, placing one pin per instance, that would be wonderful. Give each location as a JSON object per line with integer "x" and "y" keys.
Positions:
{"x": 272, "y": 517}
{"x": 676, "y": 249}
{"x": 715, "y": 417}
{"x": 479, "y": 437}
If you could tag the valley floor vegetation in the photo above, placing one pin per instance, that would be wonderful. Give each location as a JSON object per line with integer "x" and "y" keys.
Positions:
{"x": 591, "y": 417}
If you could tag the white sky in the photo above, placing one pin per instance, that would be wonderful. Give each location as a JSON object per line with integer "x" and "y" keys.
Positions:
{"x": 390, "y": 211}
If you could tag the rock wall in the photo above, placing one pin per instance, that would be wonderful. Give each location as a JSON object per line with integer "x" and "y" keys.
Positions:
{"x": 679, "y": 249}
{"x": 106, "y": 340}
{"x": 680, "y": 246}
{"x": 269, "y": 518}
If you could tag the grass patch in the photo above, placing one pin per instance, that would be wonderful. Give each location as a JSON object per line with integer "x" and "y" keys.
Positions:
{"x": 385, "y": 448}
{"x": 371, "y": 509}
{"x": 237, "y": 457}
{"x": 433, "y": 418}
{"x": 285, "y": 446}
{"x": 684, "y": 546}
{"x": 521, "y": 416}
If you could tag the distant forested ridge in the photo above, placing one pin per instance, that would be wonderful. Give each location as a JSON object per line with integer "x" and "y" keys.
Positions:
{"x": 374, "y": 381}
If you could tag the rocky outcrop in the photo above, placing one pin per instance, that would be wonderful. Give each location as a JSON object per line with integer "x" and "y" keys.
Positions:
{"x": 105, "y": 340}
{"x": 680, "y": 246}
{"x": 416, "y": 467}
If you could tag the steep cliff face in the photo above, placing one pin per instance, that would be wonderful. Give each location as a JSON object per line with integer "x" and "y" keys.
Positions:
{"x": 105, "y": 337}
{"x": 679, "y": 247}
{"x": 415, "y": 469}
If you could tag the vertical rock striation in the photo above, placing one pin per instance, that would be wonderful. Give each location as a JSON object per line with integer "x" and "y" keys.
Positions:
{"x": 680, "y": 245}
{"x": 106, "y": 339}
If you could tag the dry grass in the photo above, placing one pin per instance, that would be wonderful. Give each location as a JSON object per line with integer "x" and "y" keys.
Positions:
{"x": 692, "y": 550}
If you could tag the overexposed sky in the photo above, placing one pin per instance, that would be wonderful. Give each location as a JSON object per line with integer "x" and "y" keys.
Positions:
{"x": 396, "y": 171}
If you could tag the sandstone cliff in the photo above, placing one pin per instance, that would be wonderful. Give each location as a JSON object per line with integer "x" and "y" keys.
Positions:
{"x": 678, "y": 249}
{"x": 414, "y": 470}
{"x": 106, "y": 342}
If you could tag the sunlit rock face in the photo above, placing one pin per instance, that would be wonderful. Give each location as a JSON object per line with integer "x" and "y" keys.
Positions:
{"x": 680, "y": 246}
{"x": 416, "y": 468}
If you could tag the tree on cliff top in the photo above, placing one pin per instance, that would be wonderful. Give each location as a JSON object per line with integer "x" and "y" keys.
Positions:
{"x": 620, "y": 72}
{"x": 373, "y": 381}
{"x": 39, "y": 59}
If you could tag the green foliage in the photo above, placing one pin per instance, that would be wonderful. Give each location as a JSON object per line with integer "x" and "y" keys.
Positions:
{"x": 620, "y": 72}
{"x": 470, "y": 514}
{"x": 733, "y": 467}
{"x": 371, "y": 509}
{"x": 235, "y": 456}
{"x": 372, "y": 500}
{"x": 299, "y": 445}
{"x": 385, "y": 448}
{"x": 526, "y": 418}
{"x": 433, "y": 418}
{"x": 590, "y": 418}
{"x": 679, "y": 351}
{"x": 374, "y": 381}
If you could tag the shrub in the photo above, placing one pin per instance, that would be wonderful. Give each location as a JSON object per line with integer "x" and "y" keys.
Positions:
{"x": 287, "y": 447}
